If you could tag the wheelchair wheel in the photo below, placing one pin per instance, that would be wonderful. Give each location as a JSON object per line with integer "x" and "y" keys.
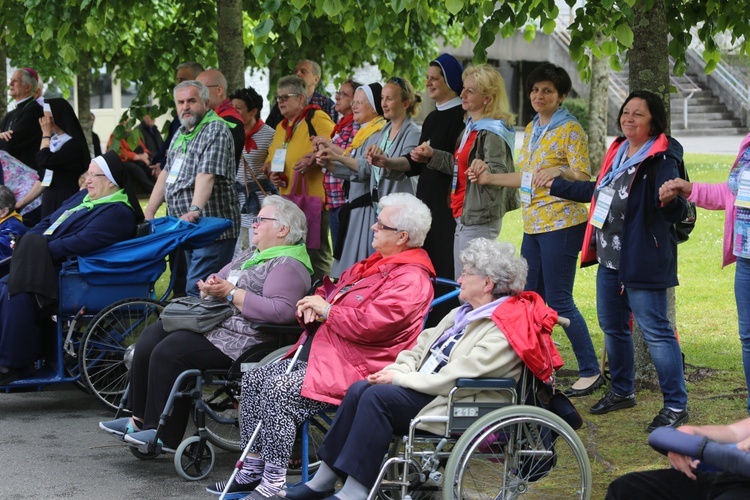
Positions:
{"x": 107, "y": 345}
{"x": 421, "y": 487}
{"x": 141, "y": 455}
{"x": 224, "y": 400}
{"x": 518, "y": 451}
{"x": 275, "y": 355}
{"x": 192, "y": 460}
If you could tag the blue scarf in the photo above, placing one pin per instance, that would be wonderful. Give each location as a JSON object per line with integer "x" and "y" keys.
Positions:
{"x": 497, "y": 127}
{"x": 559, "y": 118}
{"x": 619, "y": 166}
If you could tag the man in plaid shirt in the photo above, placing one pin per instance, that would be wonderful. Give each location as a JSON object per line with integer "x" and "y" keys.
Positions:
{"x": 310, "y": 72}
{"x": 198, "y": 179}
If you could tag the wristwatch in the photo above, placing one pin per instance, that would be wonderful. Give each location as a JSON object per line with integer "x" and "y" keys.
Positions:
{"x": 230, "y": 297}
{"x": 195, "y": 208}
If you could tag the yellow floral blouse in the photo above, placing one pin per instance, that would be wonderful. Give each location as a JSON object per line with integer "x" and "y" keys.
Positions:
{"x": 563, "y": 145}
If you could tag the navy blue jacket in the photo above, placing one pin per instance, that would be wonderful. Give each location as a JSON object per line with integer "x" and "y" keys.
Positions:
{"x": 87, "y": 230}
{"x": 648, "y": 257}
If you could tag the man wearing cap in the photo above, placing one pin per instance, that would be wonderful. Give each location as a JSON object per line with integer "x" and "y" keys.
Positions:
{"x": 101, "y": 214}
{"x": 198, "y": 179}
{"x": 20, "y": 133}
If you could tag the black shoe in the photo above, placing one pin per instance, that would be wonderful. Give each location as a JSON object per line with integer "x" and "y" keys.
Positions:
{"x": 236, "y": 490}
{"x": 612, "y": 402}
{"x": 577, "y": 393}
{"x": 8, "y": 374}
{"x": 667, "y": 417}
{"x": 303, "y": 492}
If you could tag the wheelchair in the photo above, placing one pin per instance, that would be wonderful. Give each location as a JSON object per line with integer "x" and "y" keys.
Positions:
{"x": 489, "y": 450}
{"x": 216, "y": 395}
{"x": 106, "y": 299}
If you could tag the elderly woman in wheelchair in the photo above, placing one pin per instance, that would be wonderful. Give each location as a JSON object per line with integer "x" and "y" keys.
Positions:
{"x": 94, "y": 218}
{"x": 352, "y": 329}
{"x": 263, "y": 286}
{"x": 468, "y": 342}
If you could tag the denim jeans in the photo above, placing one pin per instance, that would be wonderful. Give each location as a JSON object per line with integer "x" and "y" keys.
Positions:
{"x": 552, "y": 259}
{"x": 742, "y": 296}
{"x": 202, "y": 262}
{"x": 649, "y": 307}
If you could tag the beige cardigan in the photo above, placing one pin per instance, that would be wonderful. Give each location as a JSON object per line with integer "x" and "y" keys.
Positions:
{"x": 483, "y": 351}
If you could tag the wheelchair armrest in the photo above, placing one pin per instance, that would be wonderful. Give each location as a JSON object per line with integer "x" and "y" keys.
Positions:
{"x": 276, "y": 329}
{"x": 486, "y": 383}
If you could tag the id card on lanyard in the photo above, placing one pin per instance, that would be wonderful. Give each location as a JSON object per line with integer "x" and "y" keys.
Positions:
{"x": 174, "y": 169}
{"x": 603, "y": 203}
{"x": 525, "y": 190}
{"x": 47, "y": 180}
{"x": 63, "y": 217}
{"x": 279, "y": 159}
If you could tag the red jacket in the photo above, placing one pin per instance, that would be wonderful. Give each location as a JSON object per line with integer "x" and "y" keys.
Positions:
{"x": 368, "y": 326}
{"x": 527, "y": 324}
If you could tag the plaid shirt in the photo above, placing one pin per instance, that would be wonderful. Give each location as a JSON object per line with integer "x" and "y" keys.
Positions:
{"x": 334, "y": 188}
{"x": 210, "y": 152}
{"x": 326, "y": 104}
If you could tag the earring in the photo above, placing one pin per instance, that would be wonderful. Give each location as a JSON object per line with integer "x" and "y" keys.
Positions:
{"x": 484, "y": 103}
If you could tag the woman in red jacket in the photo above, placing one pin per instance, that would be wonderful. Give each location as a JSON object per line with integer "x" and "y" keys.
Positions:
{"x": 375, "y": 311}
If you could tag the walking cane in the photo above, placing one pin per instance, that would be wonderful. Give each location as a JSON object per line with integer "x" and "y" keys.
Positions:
{"x": 254, "y": 436}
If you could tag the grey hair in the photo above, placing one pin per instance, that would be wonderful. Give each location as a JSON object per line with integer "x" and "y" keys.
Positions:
{"x": 294, "y": 83}
{"x": 28, "y": 79}
{"x": 7, "y": 198}
{"x": 194, "y": 67}
{"x": 202, "y": 89}
{"x": 315, "y": 66}
{"x": 498, "y": 262}
{"x": 289, "y": 215}
{"x": 411, "y": 216}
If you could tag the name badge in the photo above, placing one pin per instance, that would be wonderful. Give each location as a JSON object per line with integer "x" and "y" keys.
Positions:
{"x": 429, "y": 366}
{"x": 59, "y": 221}
{"x": 174, "y": 170}
{"x": 47, "y": 180}
{"x": 454, "y": 182}
{"x": 743, "y": 190}
{"x": 603, "y": 202}
{"x": 234, "y": 275}
{"x": 279, "y": 160}
{"x": 525, "y": 190}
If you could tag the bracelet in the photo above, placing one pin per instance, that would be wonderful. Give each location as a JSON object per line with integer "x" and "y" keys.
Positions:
{"x": 326, "y": 312}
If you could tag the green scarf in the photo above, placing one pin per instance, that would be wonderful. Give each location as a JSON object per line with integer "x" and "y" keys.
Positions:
{"x": 117, "y": 196}
{"x": 297, "y": 252}
{"x": 184, "y": 138}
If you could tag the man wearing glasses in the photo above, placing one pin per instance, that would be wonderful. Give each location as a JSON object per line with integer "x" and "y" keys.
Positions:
{"x": 222, "y": 106}
{"x": 310, "y": 72}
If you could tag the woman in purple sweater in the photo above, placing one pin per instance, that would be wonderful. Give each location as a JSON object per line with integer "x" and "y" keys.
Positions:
{"x": 733, "y": 197}
{"x": 263, "y": 285}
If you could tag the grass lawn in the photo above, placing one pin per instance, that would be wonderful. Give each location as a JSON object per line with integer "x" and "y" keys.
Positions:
{"x": 707, "y": 324}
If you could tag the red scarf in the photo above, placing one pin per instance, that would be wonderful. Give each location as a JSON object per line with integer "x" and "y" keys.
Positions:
{"x": 342, "y": 124}
{"x": 249, "y": 141}
{"x": 226, "y": 109}
{"x": 290, "y": 129}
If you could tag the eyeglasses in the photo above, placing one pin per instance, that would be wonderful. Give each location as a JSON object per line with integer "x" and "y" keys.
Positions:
{"x": 209, "y": 86}
{"x": 285, "y": 97}
{"x": 358, "y": 103}
{"x": 466, "y": 273}
{"x": 258, "y": 219}
{"x": 343, "y": 94}
{"x": 380, "y": 226}
{"x": 91, "y": 176}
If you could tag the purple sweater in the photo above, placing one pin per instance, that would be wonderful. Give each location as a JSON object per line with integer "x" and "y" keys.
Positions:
{"x": 719, "y": 197}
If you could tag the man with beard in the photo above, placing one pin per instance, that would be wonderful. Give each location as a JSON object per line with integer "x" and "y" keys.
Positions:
{"x": 198, "y": 179}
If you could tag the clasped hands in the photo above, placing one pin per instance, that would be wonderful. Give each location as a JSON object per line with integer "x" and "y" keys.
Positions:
{"x": 311, "y": 308}
{"x": 214, "y": 286}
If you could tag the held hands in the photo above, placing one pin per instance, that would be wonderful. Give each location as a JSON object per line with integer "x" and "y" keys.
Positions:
{"x": 325, "y": 155}
{"x": 479, "y": 172}
{"x": 543, "y": 177}
{"x": 305, "y": 163}
{"x": 214, "y": 287}
{"x": 670, "y": 189}
{"x": 311, "y": 308}
{"x": 376, "y": 156}
{"x": 422, "y": 153}
{"x": 381, "y": 377}
{"x": 320, "y": 142}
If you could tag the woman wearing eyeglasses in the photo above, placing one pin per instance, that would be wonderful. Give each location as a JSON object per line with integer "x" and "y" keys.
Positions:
{"x": 291, "y": 142}
{"x": 489, "y": 136}
{"x": 375, "y": 311}
{"x": 363, "y": 164}
{"x": 263, "y": 285}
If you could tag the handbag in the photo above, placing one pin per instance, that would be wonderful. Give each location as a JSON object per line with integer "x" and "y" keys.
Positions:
{"x": 311, "y": 206}
{"x": 194, "y": 314}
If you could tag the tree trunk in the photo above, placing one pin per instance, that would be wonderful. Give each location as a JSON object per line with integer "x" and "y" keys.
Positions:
{"x": 649, "y": 70}
{"x": 230, "y": 45}
{"x": 3, "y": 82}
{"x": 598, "y": 109}
{"x": 83, "y": 87}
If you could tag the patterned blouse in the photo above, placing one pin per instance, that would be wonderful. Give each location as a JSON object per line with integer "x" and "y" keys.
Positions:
{"x": 564, "y": 145}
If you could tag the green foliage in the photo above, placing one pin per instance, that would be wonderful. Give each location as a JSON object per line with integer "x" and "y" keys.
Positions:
{"x": 578, "y": 107}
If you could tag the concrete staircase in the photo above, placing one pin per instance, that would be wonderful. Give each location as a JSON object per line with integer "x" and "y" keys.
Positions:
{"x": 706, "y": 115}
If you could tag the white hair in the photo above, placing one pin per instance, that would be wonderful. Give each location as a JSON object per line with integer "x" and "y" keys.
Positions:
{"x": 288, "y": 214}
{"x": 411, "y": 215}
{"x": 498, "y": 262}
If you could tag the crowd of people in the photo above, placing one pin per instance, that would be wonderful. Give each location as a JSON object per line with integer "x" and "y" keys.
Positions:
{"x": 353, "y": 190}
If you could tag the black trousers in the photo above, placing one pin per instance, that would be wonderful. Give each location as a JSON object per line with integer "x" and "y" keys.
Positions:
{"x": 671, "y": 484}
{"x": 158, "y": 360}
{"x": 364, "y": 425}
